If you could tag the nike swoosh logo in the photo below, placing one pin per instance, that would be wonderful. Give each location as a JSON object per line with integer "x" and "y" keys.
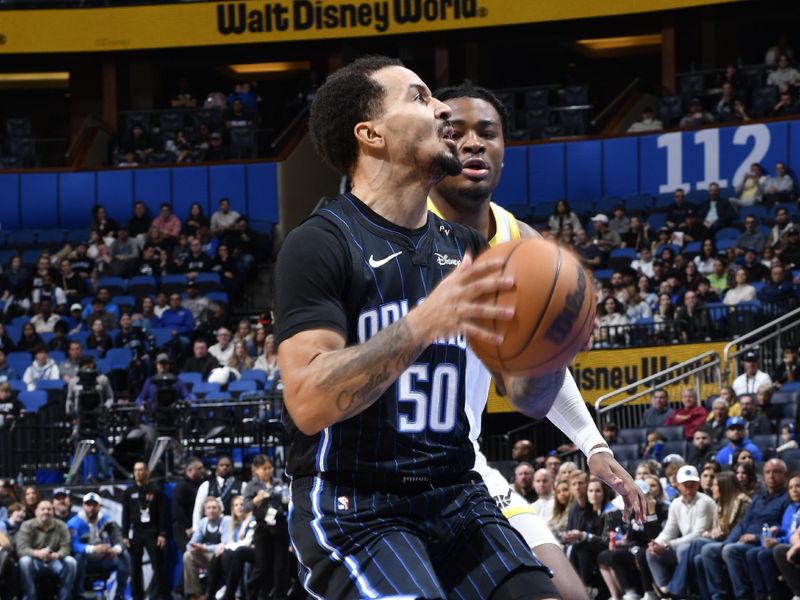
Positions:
{"x": 379, "y": 263}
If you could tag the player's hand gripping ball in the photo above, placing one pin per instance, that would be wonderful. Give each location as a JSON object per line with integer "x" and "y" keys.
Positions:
{"x": 554, "y": 313}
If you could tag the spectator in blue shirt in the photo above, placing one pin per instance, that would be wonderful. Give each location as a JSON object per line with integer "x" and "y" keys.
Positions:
{"x": 146, "y": 402}
{"x": 761, "y": 561}
{"x": 104, "y": 297}
{"x": 737, "y": 440}
{"x": 778, "y": 289}
{"x": 766, "y": 508}
{"x": 177, "y": 318}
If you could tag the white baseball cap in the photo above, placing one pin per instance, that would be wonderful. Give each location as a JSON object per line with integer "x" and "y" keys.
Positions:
{"x": 600, "y": 217}
{"x": 687, "y": 473}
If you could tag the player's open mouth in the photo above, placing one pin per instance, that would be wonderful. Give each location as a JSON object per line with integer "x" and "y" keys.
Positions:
{"x": 475, "y": 168}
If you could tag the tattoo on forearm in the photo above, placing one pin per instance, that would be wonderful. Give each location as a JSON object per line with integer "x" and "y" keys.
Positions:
{"x": 362, "y": 373}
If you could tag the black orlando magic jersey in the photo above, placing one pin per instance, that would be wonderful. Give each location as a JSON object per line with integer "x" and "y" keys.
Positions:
{"x": 348, "y": 269}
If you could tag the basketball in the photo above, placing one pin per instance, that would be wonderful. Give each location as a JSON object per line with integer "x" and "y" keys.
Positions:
{"x": 554, "y": 309}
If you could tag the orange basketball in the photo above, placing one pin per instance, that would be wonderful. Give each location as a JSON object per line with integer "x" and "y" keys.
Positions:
{"x": 554, "y": 309}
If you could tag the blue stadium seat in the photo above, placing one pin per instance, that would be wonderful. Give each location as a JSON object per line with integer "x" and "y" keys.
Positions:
{"x": 52, "y": 239}
{"x": 191, "y": 378}
{"x": 789, "y": 411}
{"x": 625, "y": 451}
{"x": 142, "y": 285}
{"x": 765, "y": 441}
{"x": 14, "y": 332}
{"x": 792, "y": 386}
{"x": 634, "y": 435}
{"x": 784, "y": 396}
{"x": 606, "y": 205}
{"x": 725, "y": 244}
{"x": 19, "y": 361}
{"x": 601, "y": 274}
{"x": 674, "y": 247}
{"x": 208, "y": 282}
{"x": 6, "y": 256}
{"x": 17, "y": 386}
{"x": 124, "y": 302}
{"x": 103, "y": 365}
{"x": 664, "y": 200}
{"x": 726, "y": 233}
{"x": 675, "y": 446}
{"x": 759, "y": 211}
{"x": 94, "y": 353}
{"x": 173, "y": 283}
{"x": 793, "y": 455}
{"x": 120, "y": 358}
{"x": 242, "y": 385}
{"x": 220, "y": 298}
{"x": 693, "y": 248}
{"x": 639, "y": 203}
{"x": 115, "y": 285}
{"x": 582, "y": 207}
{"x": 30, "y": 256}
{"x": 58, "y": 356}
{"x": 656, "y": 220}
{"x": 671, "y": 432}
{"x": 33, "y": 401}
{"x": 218, "y": 397}
{"x": 162, "y": 335}
{"x": 21, "y": 238}
{"x": 623, "y": 252}
{"x": 257, "y": 375}
{"x": 76, "y": 236}
{"x": 80, "y": 336}
{"x": 204, "y": 388}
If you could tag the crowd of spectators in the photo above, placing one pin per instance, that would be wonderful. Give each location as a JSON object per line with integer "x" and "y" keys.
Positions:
{"x": 673, "y": 270}
{"x": 723, "y": 496}
{"x": 231, "y": 535}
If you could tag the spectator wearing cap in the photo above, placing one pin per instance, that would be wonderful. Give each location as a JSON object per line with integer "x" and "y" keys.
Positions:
{"x": 74, "y": 319}
{"x": 690, "y": 514}
{"x": 736, "y": 432}
{"x": 752, "y": 377}
{"x": 751, "y": 237}
{"x": 605, "y": 238}
{"x": 756, "y": 271}
{"x": 696, "y": 115}
{"x": 216, "y": 149}
{"x": 647, "y": 123}
{"x": 744, "y": 539}
{"x": 691, "y": 415}
{"x": 196, "y": 303}
{"x": 692, "y": 229}
{"x": 146, "y": 401}
{"x": 43, "y": 547}
{"x": 790, "y": 253}
{"x": 43, "y": 368}
{"x": 716, "y": 212}
{"x": 97, "y": 310}
{"x": 62, "y": 507}
{"x": 97, "y": 546}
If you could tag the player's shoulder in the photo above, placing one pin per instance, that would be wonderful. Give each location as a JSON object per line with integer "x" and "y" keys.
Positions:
{"x": 462, "y": 234}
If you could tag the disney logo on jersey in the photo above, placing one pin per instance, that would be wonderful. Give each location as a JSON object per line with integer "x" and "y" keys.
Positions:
{"x": 444, "y": 260}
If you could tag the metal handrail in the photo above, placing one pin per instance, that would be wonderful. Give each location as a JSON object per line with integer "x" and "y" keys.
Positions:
{"x": 658, "y": 380}
{"x": 748, "y": 340}
{"x": 619, "y": 98}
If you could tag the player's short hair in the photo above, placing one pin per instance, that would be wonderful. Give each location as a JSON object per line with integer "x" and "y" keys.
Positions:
{"x": 348, "y": 96}
{"x": 468, "y": 90}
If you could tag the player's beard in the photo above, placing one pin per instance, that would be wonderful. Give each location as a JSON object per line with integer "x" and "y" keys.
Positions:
{"x": 445, "y": 164}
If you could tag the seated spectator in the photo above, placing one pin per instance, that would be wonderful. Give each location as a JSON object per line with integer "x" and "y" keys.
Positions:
{"x": 749, "y": 192}
{"x": 6, "y": 372}
{"x": 196, "y": 261}
{"x": 43, "y": 546}
{"x": 240, "y": 359}
{"x": 677, "y": 211}
{"x": 545, "y": 498}
{"x": 647, "y": 123}
{"x": 701, "y": 450}
{"x": 752, "y": 377}
{"x": 717, "y": 423}
{"x": 71, "y": 364}
{"x": 223, "y": 349}
{"x": 696, "y": 115}
{"x": 745, "y": 473}
{"x": 179, "y": 147}
{"x": 97, "y": 546}
{"x": 10, "y": 406}
{"x": 44, "y": 321}
{"x": 654, "y": 446}
{"x": 790, "y": 254}
{"x": 778, "y": 290}
{"x": 585, "y": 527}
{"x": 29, "y": 340}
{"x": 99, "y": 339}
{"x": 103, "y": 224}
{"x": 238, "y": 551}
{"x": 691, "y": 415}
{"x": 183, "y": 97}
{"x": 50, "y": 292}
{"x": 167, "y": 223}
{"x": 6, "y": 343}
{"x": 658, "y": 412}
{"x": 610, "y": 433}
{"x": 708, "y": 475}
{"x": 736, "y": 433}
{"x": 200, "y": 361}
{"x": 756, "y": 423}
{"x": 784, "y": 75}
{"x": 637, "y": 236}
{"x": 689, "y": 516}
{"x": 562, "y": 215}
{"x": 59, "y": 340}
{"x": 751, "y": 237}
{"x": 664, "y": 319}
{"x": 731, "y": 506}
{"x": 692, "y": 319}
{"x": 43, "y": 368}
{"x": 523, "y": 481}
{"x": 177, "y": 318}
{"x": 780, "y": 47}
{"x": 268, "y": 360}
{"x": 643, "y": 265}
{"x": 779, "y": 187}
{"x": 221, "y": 484}
{"x": 783, "y": 224}
{"x": 724, "y": 109}
{"x": 605, "y": 238}
{"x": 716, "y": 212}
{"x": 635, "y": 308}
{"x": 619, "y": 221}
{"x": 15, "y": 517}
{"x": 785, "y": 106}
{"x": 246, "y": 245}
{"x": 213, "y": 528}
{"x": 719, "y": 277}
{"x": 195, "y": 220}
{"x": 123, "y": 251}
{"x": 102, "y": 308}
{"x": 237, "y": 116}
{"x": 788, "y": 438}
{"x": 742, "y": 290}
{"x": 244, "y": 94}
{"x": 216, "y": 150}
{"x": 788, "y": 369}
{"x": 766, "y": 508}
{"x": 139, "y": 224}
{"x": 589, "y": 253}
{"x": 161, "y": 304}
{"x": 562, "y": 505}
{"x": 138, "y": 143}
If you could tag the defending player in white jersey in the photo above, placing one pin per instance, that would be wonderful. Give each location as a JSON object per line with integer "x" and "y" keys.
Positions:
{"x": 479, "y": 121}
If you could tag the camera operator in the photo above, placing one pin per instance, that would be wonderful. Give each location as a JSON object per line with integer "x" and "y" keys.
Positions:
{"x": 89, "y": 396}
{"x": 157, "y": 400}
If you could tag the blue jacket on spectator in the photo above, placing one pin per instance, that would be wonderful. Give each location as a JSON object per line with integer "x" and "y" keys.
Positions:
{"x": 180, "y": 320}
{"x": 765, "y": 508}
{"x": 776, "y": 293}
{"x": 789, "y": 523}
{"x": 7, "y": 373}
{"x": 725, "y": 454}
{"x": 108, "y": 533}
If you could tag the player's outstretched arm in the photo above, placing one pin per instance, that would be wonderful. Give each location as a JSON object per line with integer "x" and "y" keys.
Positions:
{"x": 326, "y": 382}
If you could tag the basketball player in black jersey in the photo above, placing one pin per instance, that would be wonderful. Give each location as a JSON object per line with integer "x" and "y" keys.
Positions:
{"x": 374, "y": 296}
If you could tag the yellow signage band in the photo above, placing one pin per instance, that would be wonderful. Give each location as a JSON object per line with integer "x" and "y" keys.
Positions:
{"x": 257, "y": 21}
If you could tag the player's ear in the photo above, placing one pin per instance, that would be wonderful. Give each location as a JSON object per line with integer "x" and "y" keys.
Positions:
{"x": 367, "y": 134}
